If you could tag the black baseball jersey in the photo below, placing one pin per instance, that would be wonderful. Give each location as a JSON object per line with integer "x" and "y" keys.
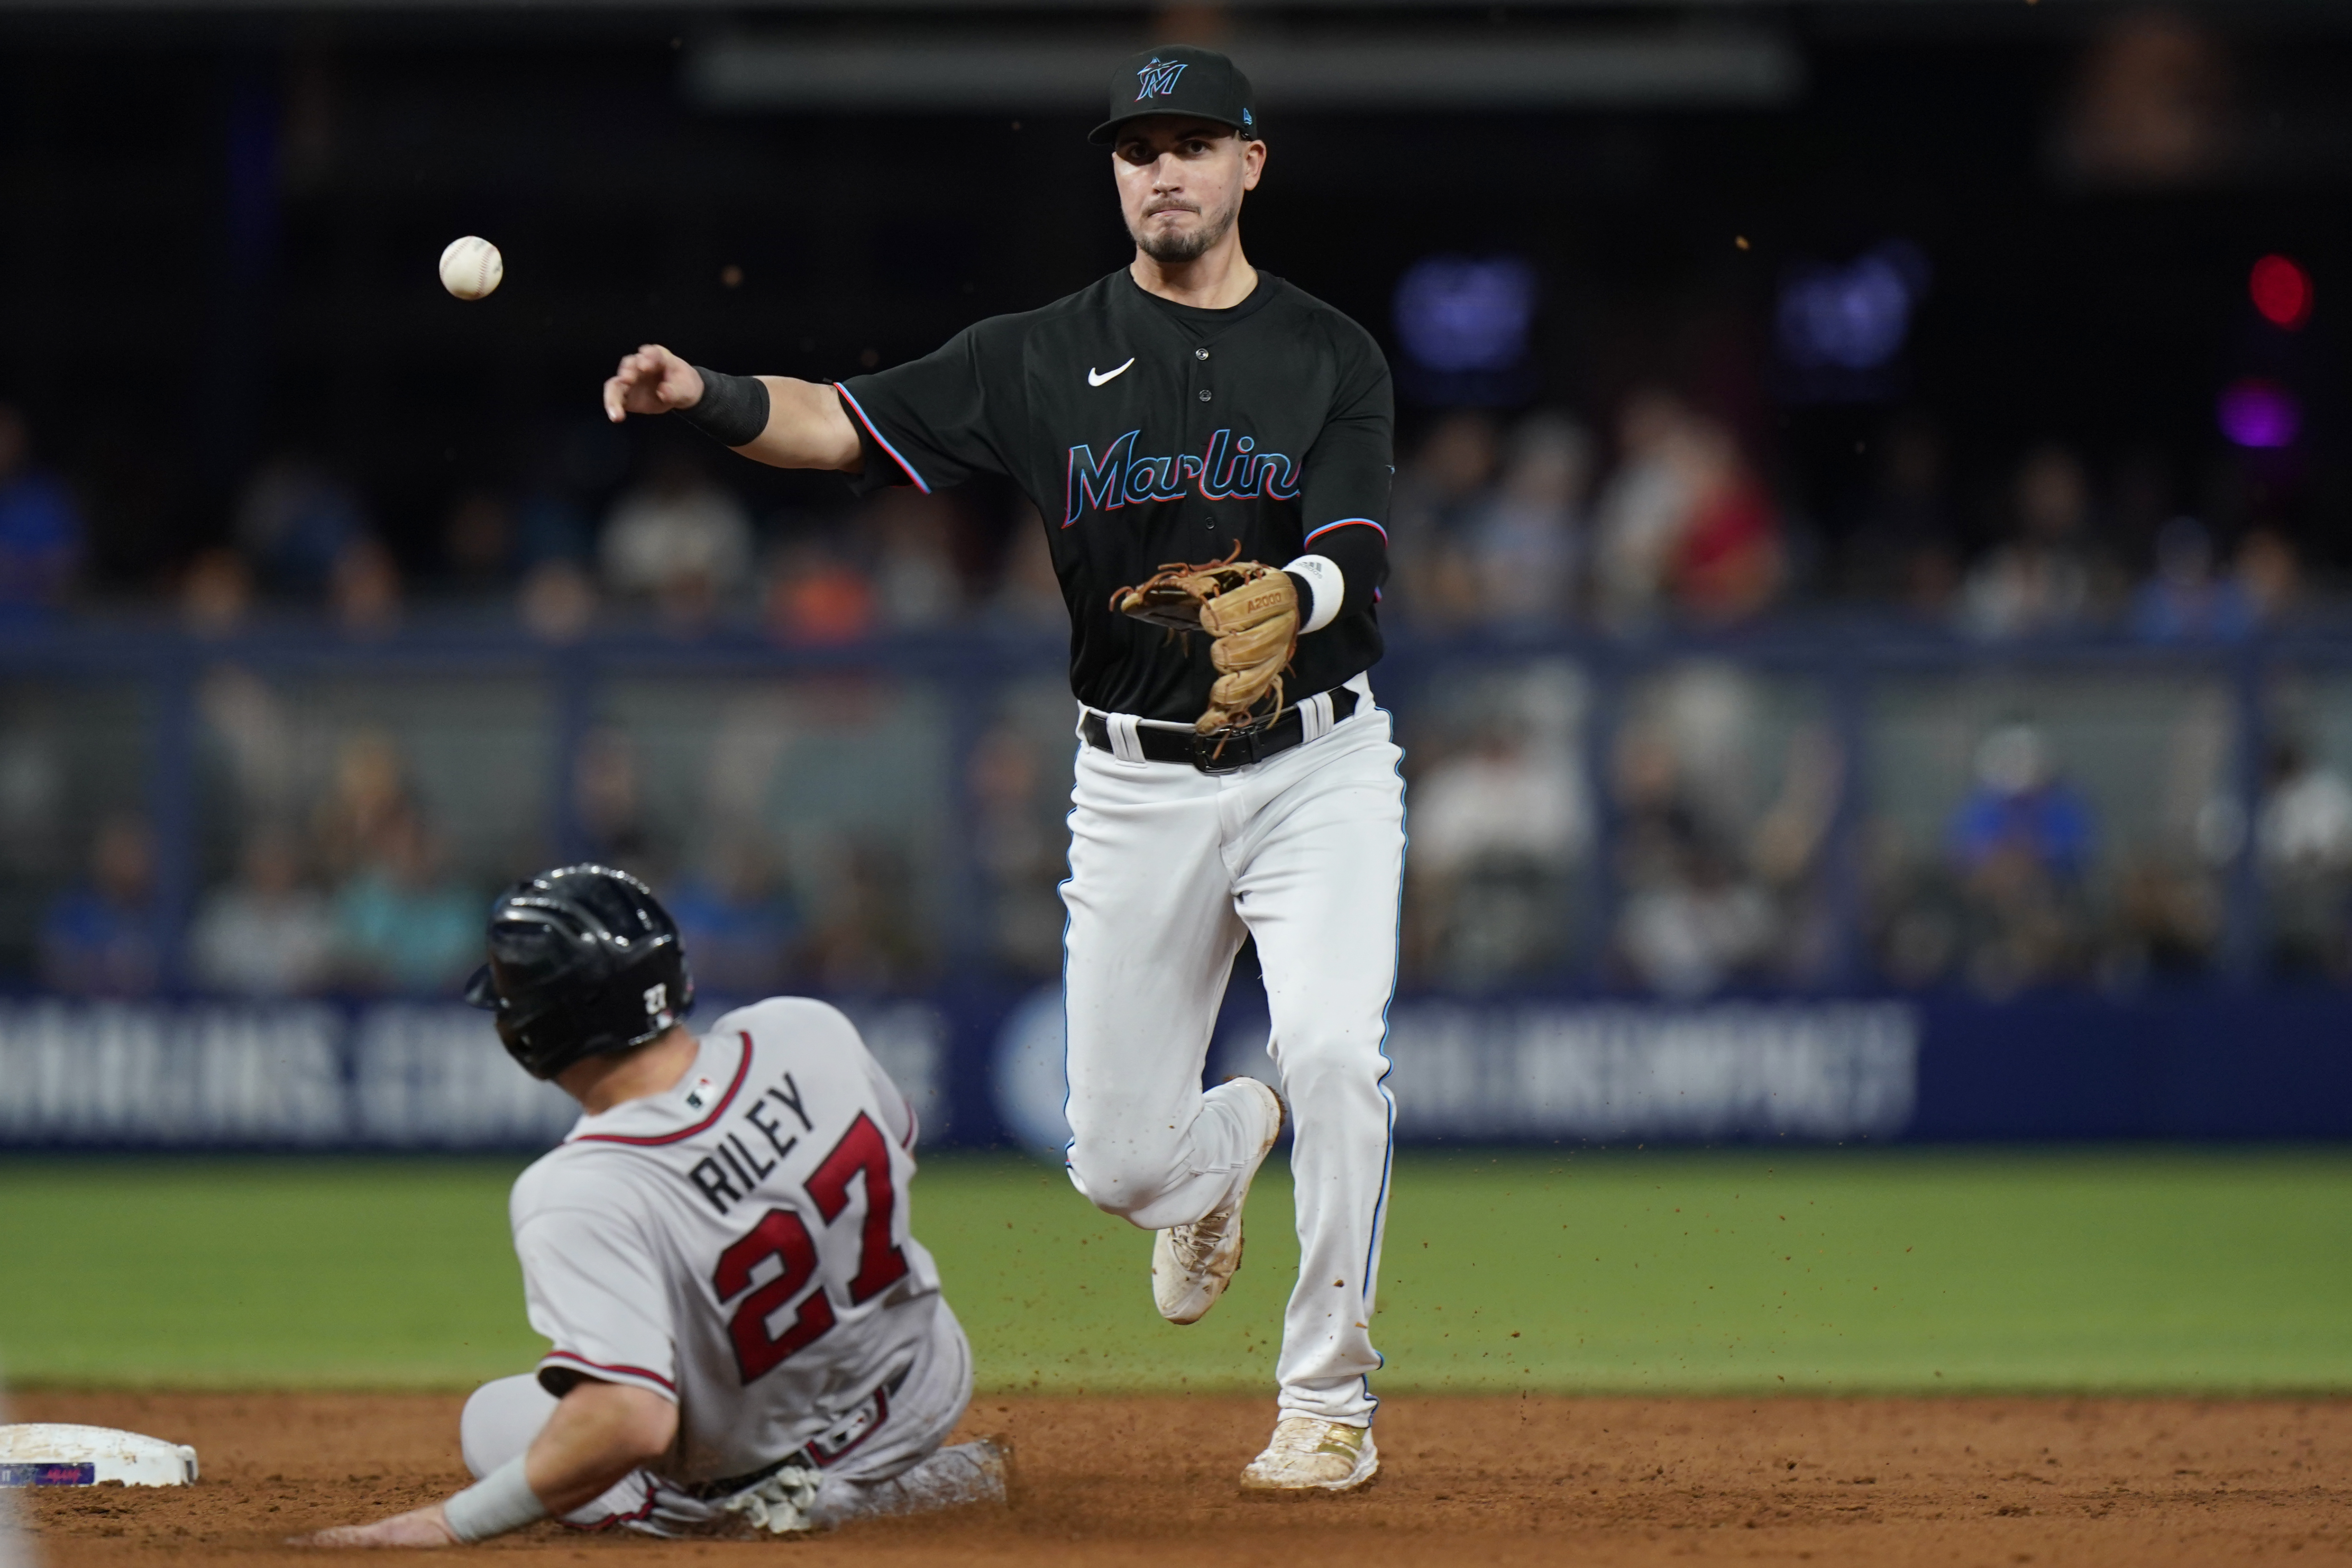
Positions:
{"x": 1148, "y": 432}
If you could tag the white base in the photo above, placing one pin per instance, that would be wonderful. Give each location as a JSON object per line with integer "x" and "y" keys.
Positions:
{"x": 57, "y": 1453}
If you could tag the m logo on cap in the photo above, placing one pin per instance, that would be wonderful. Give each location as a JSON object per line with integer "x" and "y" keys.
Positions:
{"x": 1158, "y": 80}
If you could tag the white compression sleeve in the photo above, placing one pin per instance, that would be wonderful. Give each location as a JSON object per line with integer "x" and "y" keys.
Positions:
{"x": 500, "y": 1501}
{"x": 1323, "y": 574}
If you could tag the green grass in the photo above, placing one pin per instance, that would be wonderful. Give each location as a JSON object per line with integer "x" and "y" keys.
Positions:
{"x": 1651, "y": 1272}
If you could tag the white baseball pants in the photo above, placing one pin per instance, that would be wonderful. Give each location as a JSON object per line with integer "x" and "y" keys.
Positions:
{"x": 1169, "y": 867}
{"x": 898, "y": 1468}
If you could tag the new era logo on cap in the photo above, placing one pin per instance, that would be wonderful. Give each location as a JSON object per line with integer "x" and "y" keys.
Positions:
{"x": 1157, "y": 78}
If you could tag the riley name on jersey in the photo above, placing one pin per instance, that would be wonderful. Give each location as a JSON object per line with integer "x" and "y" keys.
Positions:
{"x": 731, "y": 1174}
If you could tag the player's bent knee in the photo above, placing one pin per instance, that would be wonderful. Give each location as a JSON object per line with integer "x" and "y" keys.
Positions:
{"x": 1120, "y": 1178}
{"x": 501, "y": 1419}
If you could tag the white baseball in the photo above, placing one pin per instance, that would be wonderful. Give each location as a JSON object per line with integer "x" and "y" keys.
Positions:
{"x": 471, "y": 268}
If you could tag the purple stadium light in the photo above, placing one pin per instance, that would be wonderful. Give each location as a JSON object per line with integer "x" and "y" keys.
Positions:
{"x": 1856, "y": 317}
{"x": 2257, "y": 413}
{"x": 1455, "y": 314}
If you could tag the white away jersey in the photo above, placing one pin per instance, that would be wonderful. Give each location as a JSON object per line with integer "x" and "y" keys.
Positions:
{"x": 737, "y": 1243}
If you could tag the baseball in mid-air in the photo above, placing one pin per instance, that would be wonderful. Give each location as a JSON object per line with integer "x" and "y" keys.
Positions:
{"x": 471, "y": 268}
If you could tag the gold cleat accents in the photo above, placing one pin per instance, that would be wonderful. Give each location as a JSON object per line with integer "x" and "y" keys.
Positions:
{"x": 1308, "y": 1454}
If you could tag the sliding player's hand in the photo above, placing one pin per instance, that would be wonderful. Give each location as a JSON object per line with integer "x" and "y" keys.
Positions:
{"x": 426, "y": 1526}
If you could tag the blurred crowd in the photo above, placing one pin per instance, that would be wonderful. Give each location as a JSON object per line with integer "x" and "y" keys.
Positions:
{"x": 1539, "y": 524}
{"x": 363, "y": 893}
{"x": 1530, "y": 524}
{"x": 587, "y": 542}
{"x": 1687, "y": 842}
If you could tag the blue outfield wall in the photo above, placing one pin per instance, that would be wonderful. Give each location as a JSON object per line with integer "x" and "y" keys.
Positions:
{"x": 2198, "y": 1064}
{"x": 983, "y": 1068}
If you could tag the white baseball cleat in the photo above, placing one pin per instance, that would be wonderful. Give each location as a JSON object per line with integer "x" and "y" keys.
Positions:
{"x": 1192, "y": 1264}
{"x": 1309, "y": 1455}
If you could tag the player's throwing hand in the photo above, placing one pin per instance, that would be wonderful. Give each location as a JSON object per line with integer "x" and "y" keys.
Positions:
{"x": 651, "y": 380}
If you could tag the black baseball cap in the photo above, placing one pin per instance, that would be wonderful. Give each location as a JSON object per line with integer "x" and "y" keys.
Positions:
{"x": 1179, "y": 80}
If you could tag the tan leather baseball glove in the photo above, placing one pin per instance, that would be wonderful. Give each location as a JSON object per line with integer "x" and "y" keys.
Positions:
{"x": 1251, "y": 611}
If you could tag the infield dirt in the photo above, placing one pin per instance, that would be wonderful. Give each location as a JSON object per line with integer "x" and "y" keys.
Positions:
{"x": 1503, "y": 1481}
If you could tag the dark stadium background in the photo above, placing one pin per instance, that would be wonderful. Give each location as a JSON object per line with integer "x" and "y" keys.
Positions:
{"x": 222, "y": 223}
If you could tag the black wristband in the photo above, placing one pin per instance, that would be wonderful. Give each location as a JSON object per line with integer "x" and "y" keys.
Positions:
{"x": 732, "y": 409}
{"x": 1306, "y": 592}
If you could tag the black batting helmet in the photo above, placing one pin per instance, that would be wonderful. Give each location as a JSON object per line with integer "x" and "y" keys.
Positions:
{"x": 584, "y": 961}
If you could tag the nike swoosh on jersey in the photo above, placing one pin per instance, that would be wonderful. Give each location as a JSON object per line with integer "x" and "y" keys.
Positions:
{"x": 1096, "y": 378}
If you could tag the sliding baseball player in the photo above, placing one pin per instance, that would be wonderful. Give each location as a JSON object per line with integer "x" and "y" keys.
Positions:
{"x": 745, "y": 1338}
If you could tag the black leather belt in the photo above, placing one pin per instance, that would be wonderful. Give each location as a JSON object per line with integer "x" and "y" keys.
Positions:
{"x": 1221, "y": 753}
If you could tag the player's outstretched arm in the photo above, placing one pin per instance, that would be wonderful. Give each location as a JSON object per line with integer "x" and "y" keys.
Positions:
{"x": 599, "y": 1433}
{"x": 803, "y": 425}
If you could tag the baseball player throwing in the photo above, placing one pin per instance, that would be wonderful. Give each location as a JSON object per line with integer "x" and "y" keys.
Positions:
{"x": 745, "y": 1338}
{"x": 1236, "y": 778}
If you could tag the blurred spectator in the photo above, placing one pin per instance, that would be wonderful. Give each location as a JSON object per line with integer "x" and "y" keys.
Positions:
{"x": 1731, "y": 562}
{"x": 2020, "y": 807}
{"x": 366, "y": 805}
{"x": 1786, "y": 847}
{"x": 1692, "y": 920}
{"x": 868, "y": 938}
{"x": 1526, "y": 541}
{"x": 816, "y": 597}
{"x": 2152, "y": 106}
{"x": 1028, "y": 594}
{"x": 1436, "y": 492}
{"x": 610, "y": 799}
{"x": 2304, "y": 836}
{"x": 557, "y": 600}
{"x": 1717, "y": 861}
{"x": 294, "y": 522}
{"x": 98, "y": 938}
{"x": 679, "y": 540}
{"x": 399, "y": 924}
{"x": 1018, "y": 847}
{"x": 263, "y": 934}
{"x": 364, "y": 589}
{"x": 1500, "y": 803}
{"x": 2040, "y": 581}
{"x": 215, "y": 594}
{"x": 479, "y": 546}
{"x": 41, "y": 532}
{"x": 1906, "y": 547}
{"x": 916, "y": 585}
{"x": 248, "y": 726}
{"x": 2167, "y": 921}
{"x": 1497, "y": 830}
{"x": 2184, "y": 601}
{"x": 2020, "y": 843}
{"x": 2268, "y": 575}
{"x": 737, "y": 921}
{"x": 1683, "y": 516}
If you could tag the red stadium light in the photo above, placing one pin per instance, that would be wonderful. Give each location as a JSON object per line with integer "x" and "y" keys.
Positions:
{"x": 2281, "y": 290}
